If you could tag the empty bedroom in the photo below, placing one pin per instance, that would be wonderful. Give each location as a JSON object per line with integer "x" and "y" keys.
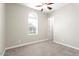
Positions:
{"x": 40, "y": 29}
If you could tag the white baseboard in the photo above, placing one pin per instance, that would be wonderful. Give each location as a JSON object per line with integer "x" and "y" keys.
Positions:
{"x": 25, "y": 44}
{"x": 66, "y": 45}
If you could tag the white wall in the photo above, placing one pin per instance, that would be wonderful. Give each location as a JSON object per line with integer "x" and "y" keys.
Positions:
{"x": 16, "y": 25}
{"x": 66, "y": 25}
{"x": 2, "y": 29}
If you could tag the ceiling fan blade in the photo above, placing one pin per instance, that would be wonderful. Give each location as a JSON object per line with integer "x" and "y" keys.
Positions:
{"x": 49, "y": 3}
{"x": 41, "y": 9}
{"x": 50, "y": 8}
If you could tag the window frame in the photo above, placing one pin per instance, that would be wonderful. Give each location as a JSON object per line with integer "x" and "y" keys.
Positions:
{"x": 33, "y": 17}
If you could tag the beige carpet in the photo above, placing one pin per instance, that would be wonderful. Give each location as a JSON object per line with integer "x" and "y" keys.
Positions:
{"x": 46, "y": 48}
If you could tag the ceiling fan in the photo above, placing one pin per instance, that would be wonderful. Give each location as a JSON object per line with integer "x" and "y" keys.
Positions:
{"x": 47, "y": 5}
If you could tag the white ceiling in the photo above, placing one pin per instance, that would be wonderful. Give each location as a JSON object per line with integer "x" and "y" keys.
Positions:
{"x": 59, "y": 5}
{"x": 54, "y": 6}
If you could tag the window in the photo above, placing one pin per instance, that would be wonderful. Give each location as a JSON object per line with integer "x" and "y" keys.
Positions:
{"x": 32, "y": 24}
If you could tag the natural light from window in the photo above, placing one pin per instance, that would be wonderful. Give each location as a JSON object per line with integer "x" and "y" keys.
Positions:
{"x": 32, "y": 24}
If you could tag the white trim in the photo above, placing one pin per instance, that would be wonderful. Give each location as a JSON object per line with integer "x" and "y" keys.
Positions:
{"x": 66, "y": 45}
{"x": 25, "y": 44}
